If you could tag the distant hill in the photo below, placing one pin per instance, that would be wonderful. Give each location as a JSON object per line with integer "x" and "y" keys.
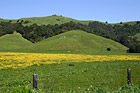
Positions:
{"x": 1, "y": 19}
{"x": 52, "y": 20}
{"x": 46, "y": 20}
{"x": 10, "y": 42}
{"x": 77, "y": 41}
{"x": 55, "y": 19}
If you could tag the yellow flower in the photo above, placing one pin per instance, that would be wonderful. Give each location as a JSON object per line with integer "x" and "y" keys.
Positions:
{"x": 21, "y": 60}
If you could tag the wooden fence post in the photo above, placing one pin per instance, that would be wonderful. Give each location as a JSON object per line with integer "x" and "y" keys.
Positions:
{"x": 129, "y": 76}
{"x": 35, "y": 79}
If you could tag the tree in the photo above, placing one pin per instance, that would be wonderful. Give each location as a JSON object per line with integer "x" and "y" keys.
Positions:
{"x": 10, "y": 21}
{"x": 108, "y": 49}
{"x": 138, "y": 22}
{"x": 124, "y": 39}
{"x": 58, "y": 19}
{"x": 27, "y": 22}
{"x": 22, "y": 21}
{"x": 17, "y": 21}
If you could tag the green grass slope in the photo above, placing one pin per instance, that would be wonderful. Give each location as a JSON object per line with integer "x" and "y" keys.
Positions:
{"x": 137, "y": 36}
{"x": 12, "y": 42}
{"x": 82, "y": 77}
{"x": 51, "y": 20}
{"x": 46, "y": 20}
{"x": 1, "y": 19}
{"x": 77, "y": 41}
{"x": 54, "y": 19}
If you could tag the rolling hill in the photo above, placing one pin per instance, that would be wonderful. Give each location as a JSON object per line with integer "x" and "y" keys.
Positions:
{"x": 11, "y": 42}
{"x": 77, "y": 41}
{"x": 105, "y": 30}
{"x": 51, "y": 20}
{"x": 54, "y": 19}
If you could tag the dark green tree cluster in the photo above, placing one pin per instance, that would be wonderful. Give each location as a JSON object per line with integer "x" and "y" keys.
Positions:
{"x": 119, "y": 32}
{"x": 8, "y": 27}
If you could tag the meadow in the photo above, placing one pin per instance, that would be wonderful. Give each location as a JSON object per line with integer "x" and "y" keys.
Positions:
{"x": 65, "y": 73}
{"x": 70, "y": 62}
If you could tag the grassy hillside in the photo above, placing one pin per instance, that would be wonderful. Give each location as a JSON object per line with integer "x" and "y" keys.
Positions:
{"x": 77, "y": 41}
{"x": 137, "y": 36}
{"x": 1, "y": 19}
{"x": 12, "y": 42}
{"x": 51, "y": 20}
{"x": 6, "y": 20}
{"x": 54, "y": 19}
{"x": 46, "y": 20}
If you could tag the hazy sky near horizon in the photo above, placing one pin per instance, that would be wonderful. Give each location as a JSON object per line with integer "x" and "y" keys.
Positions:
{"x": 112, "y": 11}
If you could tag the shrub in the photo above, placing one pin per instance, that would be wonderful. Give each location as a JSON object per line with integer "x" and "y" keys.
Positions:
{"x": 129, "y": 89}
{"x": 108, "y": 49}
{"x": 70, "y": 64}
{"x": 25, "y": 89}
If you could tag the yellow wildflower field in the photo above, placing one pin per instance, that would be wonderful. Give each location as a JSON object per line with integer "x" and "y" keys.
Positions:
{"x": 21, "y": 60}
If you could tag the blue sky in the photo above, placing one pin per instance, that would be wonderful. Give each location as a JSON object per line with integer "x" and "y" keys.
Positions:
{"x": 112, "y": 11}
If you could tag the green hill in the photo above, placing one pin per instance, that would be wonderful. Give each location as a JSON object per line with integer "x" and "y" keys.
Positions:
{"x": 51, "y": 20}
{"x": 137, "y": 36}
{"x": 12, "y": 42}
{"x": 77, "y": 41}
{"x": 1, "y": 19}
{"x": 54, "y": 19}
{"x": 46, "y": 20}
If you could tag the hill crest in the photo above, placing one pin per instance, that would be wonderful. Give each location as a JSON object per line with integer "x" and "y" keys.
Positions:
{"x": 10, "y": 42}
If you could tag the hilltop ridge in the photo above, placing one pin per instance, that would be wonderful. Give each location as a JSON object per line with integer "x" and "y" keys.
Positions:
{"x": 54, "y": 19}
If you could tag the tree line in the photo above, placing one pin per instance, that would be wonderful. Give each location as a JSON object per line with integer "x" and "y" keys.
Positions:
{"x": 121, "y": 33}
